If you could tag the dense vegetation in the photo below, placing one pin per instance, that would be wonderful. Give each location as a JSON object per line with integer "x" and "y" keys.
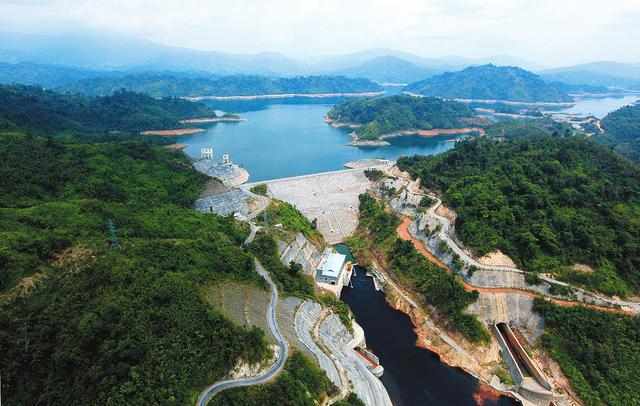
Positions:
{"x": 122, "y": 315}
{"x": 547, "y": 202}
{"x": 301, "y": 383}
{"x": 45, "y": 112}
{"x": 290, "y": 279}
{"x": 279, "y": 212}
{"x": 439, "y": 288}
{"x": 238, "y": 85}
{"x": 395, "y": 113}
{"x": 489, "y": 82}
{"x": 622, "y": 131}
{"x": 598, "y": 351}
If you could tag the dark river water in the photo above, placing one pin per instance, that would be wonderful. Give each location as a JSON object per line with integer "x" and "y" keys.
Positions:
{"x": 412, "y": 375}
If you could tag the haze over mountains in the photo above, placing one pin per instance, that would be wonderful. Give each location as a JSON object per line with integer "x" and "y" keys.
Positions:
{"x": 83, "y": 56}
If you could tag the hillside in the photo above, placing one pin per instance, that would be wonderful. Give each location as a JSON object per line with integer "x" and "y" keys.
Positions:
{"x": 130, "y": 322}
{"x": 547, "y": 202}
{"x": 390, "y": 69}
{"x": 490, "y": 82}
{"x": 158, "y": 85}
{"x": 34, "y": 109}
{"x": 386, "y": 115}
{"x": 622, "y": 131}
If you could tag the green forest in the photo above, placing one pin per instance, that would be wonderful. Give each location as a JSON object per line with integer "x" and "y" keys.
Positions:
{"x": 159, "y": 85}
{"x": 122, "y": 314}
{"x": 598, "y": 351}
{"x": 622, "y": 131}
{"x": 490, "y": 82}
{"x": 439, "y": 288}
{"x": 547, "y": 202}
{"x": 42, "y": 111}
{"x": 385, "y": 115}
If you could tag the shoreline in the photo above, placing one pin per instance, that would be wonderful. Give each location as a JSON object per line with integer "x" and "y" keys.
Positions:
{"x": 382, "y": 140}
{"x": 498, "y": 101}
{"x": 176, "y": 132}
{"x": 212, "y": 120}
{"x": 287, "y": 96}
{"x": 423, "y": 342}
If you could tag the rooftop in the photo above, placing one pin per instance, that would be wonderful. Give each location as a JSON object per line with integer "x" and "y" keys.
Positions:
{"x": 332, "y": 266}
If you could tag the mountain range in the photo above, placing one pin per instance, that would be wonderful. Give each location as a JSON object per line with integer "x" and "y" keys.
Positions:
{"x": 58, "y": 59}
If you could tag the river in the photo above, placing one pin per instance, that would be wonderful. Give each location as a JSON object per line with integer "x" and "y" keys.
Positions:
{"x": 412, "y": 375}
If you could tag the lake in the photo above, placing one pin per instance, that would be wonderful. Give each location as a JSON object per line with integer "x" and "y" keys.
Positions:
{"x": 289, "y": 138}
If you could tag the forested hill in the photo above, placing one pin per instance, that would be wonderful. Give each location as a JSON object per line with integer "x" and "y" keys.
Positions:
{"x": 395, "y": 113}
{"x": 547, "y": 202}
{"x": 622, "y": 131}
{"x": 129, "y": 321}
{"x": 490, "y": 82}
{"x": 238, "y": 85}
{"x": 46, "y": 112}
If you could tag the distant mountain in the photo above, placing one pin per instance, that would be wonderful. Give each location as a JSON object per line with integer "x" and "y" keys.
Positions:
{"x": 48, "y": 76}
{"x": 105, "y": 51}
{"x": 390, "y": 69}
{"x": 501, "y": 60}
{"x": 490, "y": 82}
{"x": 238, "y": 85}
{"x": 610, "y": 74}
{"x": 615, "y": 69}
{"x": 622, "y": 131}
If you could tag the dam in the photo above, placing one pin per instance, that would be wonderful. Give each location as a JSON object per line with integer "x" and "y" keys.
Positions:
{"x": 329, "y": 197}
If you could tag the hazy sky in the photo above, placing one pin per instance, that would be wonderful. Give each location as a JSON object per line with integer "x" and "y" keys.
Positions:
{"x": 551, "y": 32}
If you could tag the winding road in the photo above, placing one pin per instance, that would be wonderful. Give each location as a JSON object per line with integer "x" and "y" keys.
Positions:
{"x": 210, "y": 391}
{"x": 445, "y": 235}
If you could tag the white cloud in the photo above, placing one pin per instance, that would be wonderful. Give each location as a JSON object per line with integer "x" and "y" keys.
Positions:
{"x": 549, "y": 31}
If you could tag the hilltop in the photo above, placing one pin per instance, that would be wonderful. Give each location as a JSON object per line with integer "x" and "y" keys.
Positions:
{"x": 35, "y": 109}
{"x": 490, "y": 82}
{"x": 547, "y": 202}
{"x": 622, "y": 131}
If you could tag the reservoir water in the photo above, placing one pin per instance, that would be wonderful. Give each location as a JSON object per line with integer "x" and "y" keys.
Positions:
{"x": 286, "y": 138}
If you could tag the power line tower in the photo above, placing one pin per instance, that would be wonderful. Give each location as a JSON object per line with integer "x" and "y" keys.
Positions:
{"x": 112, "y": 234}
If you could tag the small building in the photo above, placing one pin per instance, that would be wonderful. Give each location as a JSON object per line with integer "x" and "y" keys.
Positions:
{"x": 330, "y": 269}
{"x": 207, "y": 153}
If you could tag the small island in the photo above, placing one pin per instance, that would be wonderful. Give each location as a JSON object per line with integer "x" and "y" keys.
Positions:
{"x": 186, "y": 123}
{"x": 226, "y": 117}
{"x": 375, "y": 120}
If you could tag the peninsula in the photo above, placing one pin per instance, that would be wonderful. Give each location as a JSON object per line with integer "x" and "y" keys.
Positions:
{"x": 375, "y": 120}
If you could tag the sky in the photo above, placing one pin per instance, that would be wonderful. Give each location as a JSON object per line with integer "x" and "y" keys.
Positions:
{"x": 549, "y": 32}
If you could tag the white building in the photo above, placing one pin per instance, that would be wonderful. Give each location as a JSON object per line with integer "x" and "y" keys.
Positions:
{"x": 331, "y": 268}
{"x": 207, "y": 153}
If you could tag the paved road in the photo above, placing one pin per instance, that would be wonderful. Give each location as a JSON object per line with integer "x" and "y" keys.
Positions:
{"x": 445, "y": 234}
{"x": 209, "y": 392}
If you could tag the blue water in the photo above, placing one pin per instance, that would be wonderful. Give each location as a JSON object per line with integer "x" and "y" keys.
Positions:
{"x": 285, "y": 138}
